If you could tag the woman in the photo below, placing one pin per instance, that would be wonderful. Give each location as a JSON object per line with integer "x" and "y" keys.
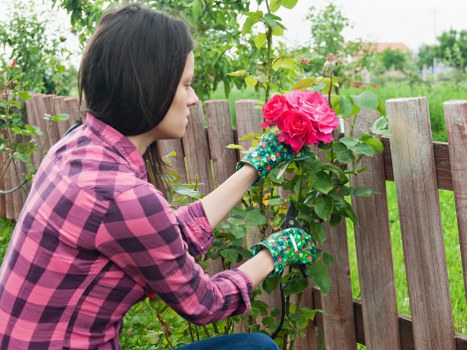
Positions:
{"x": 95, "y": 237}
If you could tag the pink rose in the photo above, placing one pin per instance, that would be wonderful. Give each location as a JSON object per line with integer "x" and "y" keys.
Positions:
{"x": 316, "y": 107}
{"x": 273, "y": 110}
{"x": 297, "y": 129}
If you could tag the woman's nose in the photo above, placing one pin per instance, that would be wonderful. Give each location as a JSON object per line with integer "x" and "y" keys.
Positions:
{"x": 193, "y": 98}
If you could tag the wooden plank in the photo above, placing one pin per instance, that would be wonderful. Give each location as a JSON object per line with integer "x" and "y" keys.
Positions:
{"x": 52, "y": 127}
{"x": 9, "y": 198}
{"x": 455, "y": 113}
{"x": 374, "y": 254}
{"x": 39, "y": 111}
{"x": 32, "y": 120}
{"x": 405, "y": 326}
{"x": 309, "y": 341}
{"x": 178, "y": 162}
{"x": 74, "y": 110}
{"x": 220, "y": 134}
{"x": 338, "y": 318}
{"x": 61, "y": 107}
{"x": 2, "y": 187}
{"x": 420, "y": 218}
{"x": 248, "y": 121}
{"x": 442, "y": 164}
{"x": 195, "y": 145}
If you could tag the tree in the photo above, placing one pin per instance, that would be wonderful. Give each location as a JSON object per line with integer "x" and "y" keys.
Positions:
{"x": 24, "y": 41}
{"x": 393, "y": 60}
{"x": 216, "y": 32}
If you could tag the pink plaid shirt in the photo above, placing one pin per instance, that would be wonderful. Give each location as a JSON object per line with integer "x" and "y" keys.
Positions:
{"x": 93, "y": 239}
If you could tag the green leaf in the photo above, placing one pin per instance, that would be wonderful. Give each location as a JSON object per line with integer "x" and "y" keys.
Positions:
{"x": 304, "y": 83}
{"x": 24, "y": 95}
{"x": 261, "y": 306}
{"x": 230, "y": 255}
{"x": 251, "y": 20}
{"x": 295, "y": 286}
{"x": 349, "y": 141}
{"x": 350, "y": 213}
{"x": 275, "y": 5}
{"x": 186, "y": 191}
{"x": 363, "y": 192}
{"x": 251, "y": 81}
{"x": 238, "y": 73}
{"x": 364, "y": 149}
{"x": 256, "y": 217}
{"x": 60, "y": 68}
{"x": 328, "y": 259}
{"x": 319, "y": 274}
{"x": 61, "y": 117}
{"x": 283, "y": 62}
{"x": 380, "y": 123}
{"x": 323, "y": 207}
{"x": 234, "y": 146}
{"x": 260, "y": 39}
{"x": 366, "y": 100}
{"x": 318, "y": 232}
{"x": 346, "y": 105}
{"x": 322, "y": 182}
{"x": 376, "y": 144}
{"x": 290, "y": 4}
{"x": 270, "y": 284}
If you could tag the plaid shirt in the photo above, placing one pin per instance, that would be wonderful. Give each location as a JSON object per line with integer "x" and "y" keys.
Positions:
{"x": 93, "y": 239}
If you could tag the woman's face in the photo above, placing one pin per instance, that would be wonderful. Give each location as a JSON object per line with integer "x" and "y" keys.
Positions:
{"x": 175, "y": 121}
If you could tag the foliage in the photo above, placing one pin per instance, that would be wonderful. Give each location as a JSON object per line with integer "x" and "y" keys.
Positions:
{"x": 218, "y": 50}
{"x": 18, "y": 139}
{"x": 451, "y": 48}
{"x": 24, "y": 41}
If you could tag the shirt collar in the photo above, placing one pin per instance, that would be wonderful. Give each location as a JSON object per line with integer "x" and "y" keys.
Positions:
{"x": 118, "y": 142}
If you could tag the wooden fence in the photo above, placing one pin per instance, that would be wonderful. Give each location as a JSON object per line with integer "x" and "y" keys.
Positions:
{"x": 419, "y": 167}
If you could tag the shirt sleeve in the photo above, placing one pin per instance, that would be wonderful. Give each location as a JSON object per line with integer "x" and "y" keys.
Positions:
{"x": 141, "y": 234}
{"x": 195, "y": 228}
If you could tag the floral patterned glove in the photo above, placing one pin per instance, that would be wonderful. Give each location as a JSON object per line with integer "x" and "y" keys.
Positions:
{"x": 288, "y": 247}
{"x": 269, "y": 154}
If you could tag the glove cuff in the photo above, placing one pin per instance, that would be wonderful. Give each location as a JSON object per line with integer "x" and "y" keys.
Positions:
{"x": 276, "y": 256}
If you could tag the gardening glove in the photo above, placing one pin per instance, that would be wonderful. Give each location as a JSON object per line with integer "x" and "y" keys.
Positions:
{"x": 288, "y": 247}
{"x": 269, "y": 154}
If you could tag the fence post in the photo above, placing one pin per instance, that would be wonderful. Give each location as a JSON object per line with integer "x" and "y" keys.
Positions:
{"x": 220, "y": 134}
{"x": 195, "y": 145}
{"x": 455, "y": 113}
{"x": 374, "y": 254}
{"x": 420, "y": 219}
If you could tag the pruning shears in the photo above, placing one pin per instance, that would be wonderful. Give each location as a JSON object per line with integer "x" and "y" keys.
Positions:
{"x": 290, "y": 221}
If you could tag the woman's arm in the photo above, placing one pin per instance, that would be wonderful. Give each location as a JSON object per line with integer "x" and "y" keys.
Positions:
{"x": 220, "y": 202}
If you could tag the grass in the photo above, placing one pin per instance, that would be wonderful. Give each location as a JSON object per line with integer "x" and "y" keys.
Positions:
{"x": 453, "y": 258}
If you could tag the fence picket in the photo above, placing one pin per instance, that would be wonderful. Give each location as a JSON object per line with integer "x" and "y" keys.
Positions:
{"x": 2, "y": 187}
{"x": 195, "y": 145}
{"x": 61, "y": 107}
{"x": 178, "y": 161}
{"x": 220, "y": 134}
{"x": 374, "y": 255}
{"x": 248, "y": 120}
{"x": 456, "y": 126}
{"x": 338, "y": 318}
{"x": 420, "y": 218}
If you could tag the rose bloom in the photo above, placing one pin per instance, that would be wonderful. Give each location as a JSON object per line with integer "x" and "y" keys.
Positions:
{"x": 13, "y": 63}
{"x": 273, "y": 110}
{"x": 297, "y": 129}
{"x": 316, "y": 107}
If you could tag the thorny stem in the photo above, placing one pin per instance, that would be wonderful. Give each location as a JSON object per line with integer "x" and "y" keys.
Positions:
{"x": 269, "y": 58}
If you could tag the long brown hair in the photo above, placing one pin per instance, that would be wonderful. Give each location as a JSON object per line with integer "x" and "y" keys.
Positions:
{"x": 130, "y": 71}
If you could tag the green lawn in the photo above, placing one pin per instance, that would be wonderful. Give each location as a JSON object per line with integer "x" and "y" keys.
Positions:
{"x": 453, "y": 258}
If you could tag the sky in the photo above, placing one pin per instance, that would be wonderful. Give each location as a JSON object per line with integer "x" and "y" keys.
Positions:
{"x": 412, "y": 22}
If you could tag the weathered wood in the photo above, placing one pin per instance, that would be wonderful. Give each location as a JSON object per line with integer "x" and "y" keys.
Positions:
{"x": 52, "y": 127}
{"x": 195, "y": 145}
{"x": 338, "y": 318}
{"x": 72, "y": 104}
{"x": 422, "y": 236}
{"x": 442, "y": 164}
{"x": 178, "y": 162}
{"x": 374, "y": 255}
{"x": 405, "y": 326}
{"x": 220, "y": 134}
{"x": 2, "y": 187}
{"x": 32, "y": 120}
{"x": 248, "y": 120}
{"x": 309, "y": 341}
{"x": 9, "y": 198}
{"x": 62, "y": 107}
{"x": 455, "y": 113}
